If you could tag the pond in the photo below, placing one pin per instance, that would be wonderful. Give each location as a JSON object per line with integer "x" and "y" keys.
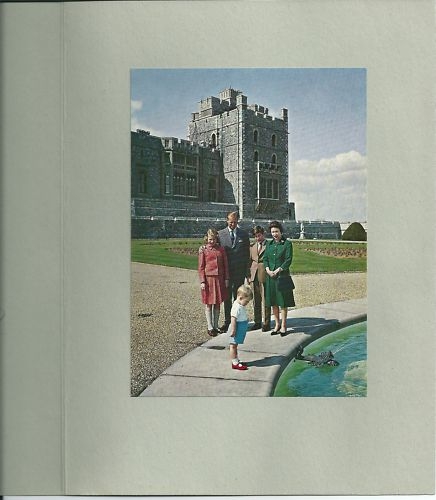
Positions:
{"x": 348, "y": 379}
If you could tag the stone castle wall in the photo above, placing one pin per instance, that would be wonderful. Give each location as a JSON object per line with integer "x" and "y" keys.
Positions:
{"x": 254, "y": 149}
{"x": 150, "y": 219}
{"x": 237, "y": 159}
{"x": 258, "y": 154}
{"x": 165, "y": 227}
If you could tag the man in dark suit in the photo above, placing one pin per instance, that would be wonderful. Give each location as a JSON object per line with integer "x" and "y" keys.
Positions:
{"x": 237, "y": 245}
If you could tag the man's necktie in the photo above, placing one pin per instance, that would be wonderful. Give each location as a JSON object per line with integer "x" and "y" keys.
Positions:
{"x": 232, "y": 237}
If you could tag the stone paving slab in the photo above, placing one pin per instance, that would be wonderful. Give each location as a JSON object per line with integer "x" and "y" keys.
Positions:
{"x": 206, "y": 370}
{"x": 198, "y": 386}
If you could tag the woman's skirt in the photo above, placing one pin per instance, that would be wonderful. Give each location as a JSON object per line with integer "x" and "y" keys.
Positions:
{"x": 274, "y": 297}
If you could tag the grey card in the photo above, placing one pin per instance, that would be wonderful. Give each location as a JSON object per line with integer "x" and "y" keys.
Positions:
{"x": 69, "y": 423}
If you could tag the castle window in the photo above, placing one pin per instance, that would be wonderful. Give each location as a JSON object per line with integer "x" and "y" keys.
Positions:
{"x": 142, "y": 183}
{"x": 213, "y": 141}
{"x": 255, "y": 137}
{"x": 178, "y": 184}
{"x": 275, "y": 189}
{"x": 185, "y": 184}
{"x": 179, "y": 158}
{"x": 191, "y": 185}
{"x": 256, "y": 156}
{"x": 167, "y": 184}
{"x": 273, "y": 141}
{"x": 213, "y": 194}
{"x": 192, "y": 160}
{"x": 273, "y": 159}
{"x": 269, "y": 188}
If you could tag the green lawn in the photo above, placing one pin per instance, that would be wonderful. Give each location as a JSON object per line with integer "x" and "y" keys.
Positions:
{"x": 309, "y": 256}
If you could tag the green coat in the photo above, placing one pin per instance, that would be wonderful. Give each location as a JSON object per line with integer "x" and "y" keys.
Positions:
{"x": 278, "y": 255}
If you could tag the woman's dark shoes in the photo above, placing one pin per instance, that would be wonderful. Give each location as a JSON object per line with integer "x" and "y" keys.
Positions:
{"x": 275, "y": 332}
{"x": 212, "y": 333}
{"x": 286, "y": 332}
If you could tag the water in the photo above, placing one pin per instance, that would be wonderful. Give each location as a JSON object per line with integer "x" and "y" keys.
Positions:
{"x": 346, "y": 380}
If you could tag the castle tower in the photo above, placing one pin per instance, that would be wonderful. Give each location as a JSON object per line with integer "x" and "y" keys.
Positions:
{"x": 254, "y": 150}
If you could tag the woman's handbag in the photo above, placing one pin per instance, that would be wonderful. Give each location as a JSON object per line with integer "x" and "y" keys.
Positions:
{"x": 285, "y": 283}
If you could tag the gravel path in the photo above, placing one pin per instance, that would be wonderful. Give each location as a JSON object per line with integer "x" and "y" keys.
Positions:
{"x": 168, "y": 321}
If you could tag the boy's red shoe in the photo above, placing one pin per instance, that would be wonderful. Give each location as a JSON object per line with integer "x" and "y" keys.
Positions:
{"x": 239, "y": 366}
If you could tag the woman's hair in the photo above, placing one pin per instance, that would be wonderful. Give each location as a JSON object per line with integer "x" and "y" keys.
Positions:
{"x": 212, "y": 232}
{"x": 245, "y": 292}
{"x": 276, "y": 223}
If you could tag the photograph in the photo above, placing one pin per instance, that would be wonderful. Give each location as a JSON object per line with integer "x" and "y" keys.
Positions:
{"x": 248, "y": 232}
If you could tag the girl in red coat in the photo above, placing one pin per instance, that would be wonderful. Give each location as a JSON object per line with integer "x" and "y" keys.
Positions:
{"x": 213, "y": 271}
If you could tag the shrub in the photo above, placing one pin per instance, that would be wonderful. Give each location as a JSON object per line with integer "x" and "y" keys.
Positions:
{"x": 354, "y": 232}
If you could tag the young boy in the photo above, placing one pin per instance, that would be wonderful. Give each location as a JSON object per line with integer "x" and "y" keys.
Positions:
{"x": 239, "y": 324}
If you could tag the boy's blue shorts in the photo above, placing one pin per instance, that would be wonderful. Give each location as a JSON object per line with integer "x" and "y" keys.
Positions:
{"x": 241, "y": 332}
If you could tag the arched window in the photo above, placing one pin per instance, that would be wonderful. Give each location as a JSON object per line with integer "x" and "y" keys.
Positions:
{"x": 274, "y": 159}
{"x": 273, "y": 141}
{"x": 255, "y": 137}
{"x": 256, "y": 156}
{"x": 213, "y": 140}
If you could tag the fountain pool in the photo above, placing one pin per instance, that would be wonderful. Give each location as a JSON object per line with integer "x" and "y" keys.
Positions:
{"x": 348, "y": 344}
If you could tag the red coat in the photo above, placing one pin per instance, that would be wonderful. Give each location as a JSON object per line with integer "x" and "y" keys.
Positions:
{"x": 213, "y": 270}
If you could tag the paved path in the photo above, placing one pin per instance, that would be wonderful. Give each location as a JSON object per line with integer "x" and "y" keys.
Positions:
{"x": 206, "y": 370}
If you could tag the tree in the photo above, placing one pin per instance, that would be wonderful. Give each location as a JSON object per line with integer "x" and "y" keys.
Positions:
{"x": 354, "y": 232}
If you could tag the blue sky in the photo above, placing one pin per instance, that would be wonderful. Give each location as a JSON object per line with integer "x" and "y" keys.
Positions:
{"x": 327, "y": 124}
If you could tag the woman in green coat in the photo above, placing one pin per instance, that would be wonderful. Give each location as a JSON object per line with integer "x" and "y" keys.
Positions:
{"x": 278, "y": 293}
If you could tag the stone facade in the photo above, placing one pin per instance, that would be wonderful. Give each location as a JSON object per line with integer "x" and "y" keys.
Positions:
{"x": 236, "y": 159}
{"x": 236, "y": 154}
{"x": 254, "y": 150}
{"x": 166, "y": 168}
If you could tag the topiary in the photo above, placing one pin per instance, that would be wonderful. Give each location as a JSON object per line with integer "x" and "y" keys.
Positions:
{"x": 354, "y": 232}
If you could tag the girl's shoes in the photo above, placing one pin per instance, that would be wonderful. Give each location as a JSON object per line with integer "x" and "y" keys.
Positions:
{"x": 275, "y": 332}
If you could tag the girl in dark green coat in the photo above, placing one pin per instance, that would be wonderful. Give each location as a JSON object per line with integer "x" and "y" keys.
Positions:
{"x": 277, "y": 260}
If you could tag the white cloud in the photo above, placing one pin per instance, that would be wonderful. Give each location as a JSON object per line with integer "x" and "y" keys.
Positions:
{"x": 135, "y": 105}
{"x": 330, "y": 189}
{"x": 137, "y": 124}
